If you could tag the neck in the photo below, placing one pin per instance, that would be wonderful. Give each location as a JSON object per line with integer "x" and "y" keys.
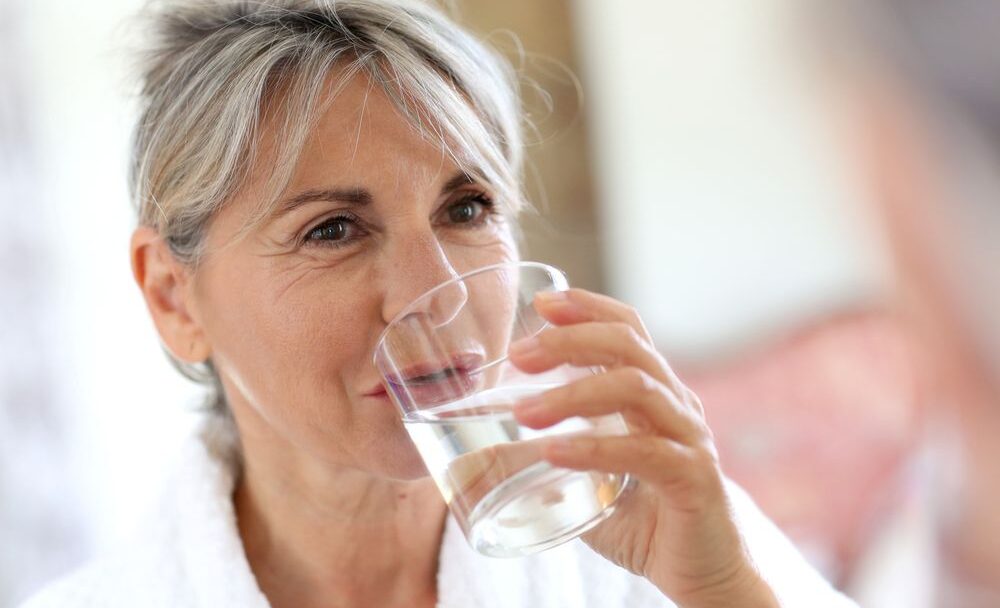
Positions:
{"x": 324, "y": 534}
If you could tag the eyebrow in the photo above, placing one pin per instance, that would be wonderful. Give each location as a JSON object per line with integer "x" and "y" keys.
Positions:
{"x": 355, "y": 196}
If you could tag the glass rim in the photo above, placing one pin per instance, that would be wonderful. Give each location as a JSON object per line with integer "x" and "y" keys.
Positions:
{"x": 552, "y": 270}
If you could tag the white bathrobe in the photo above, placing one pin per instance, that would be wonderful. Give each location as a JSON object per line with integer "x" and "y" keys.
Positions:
{"x": 190, "y": 555}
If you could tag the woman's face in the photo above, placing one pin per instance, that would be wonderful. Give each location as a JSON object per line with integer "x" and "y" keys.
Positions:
{"x": 374, "y": 216}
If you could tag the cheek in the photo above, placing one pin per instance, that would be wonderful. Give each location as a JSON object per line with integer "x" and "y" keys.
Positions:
{"x": 284, "y": 346}
{"x": 290, "y": 344}
{"x": 471, "y": 252}
{"x": 494, "y": 310}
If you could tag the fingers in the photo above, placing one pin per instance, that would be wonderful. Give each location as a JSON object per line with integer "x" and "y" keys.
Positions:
{"x": 587, "y": 344}
{"x": 646, "y": 404}
{"x": 596, "y": 330}
{"x": 683, "y": 471}
{"x": 575, "y": 306}
{"x": 580, "y": 306}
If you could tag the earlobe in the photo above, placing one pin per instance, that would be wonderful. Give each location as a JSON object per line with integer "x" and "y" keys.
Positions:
{"x": 163, "y": 281}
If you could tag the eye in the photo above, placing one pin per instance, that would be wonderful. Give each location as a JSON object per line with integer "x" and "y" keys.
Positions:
{"x": 335, "y": 231}
{"x": 471, "y": 209}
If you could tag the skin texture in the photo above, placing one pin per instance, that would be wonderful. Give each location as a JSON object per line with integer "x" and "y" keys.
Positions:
{"x": 334, "y": 505}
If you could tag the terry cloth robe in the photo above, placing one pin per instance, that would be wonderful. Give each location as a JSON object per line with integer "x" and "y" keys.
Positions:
{"x": 189, "y": 555}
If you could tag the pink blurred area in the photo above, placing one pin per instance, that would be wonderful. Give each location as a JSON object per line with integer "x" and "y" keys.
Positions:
{"x": 818, "y": 426}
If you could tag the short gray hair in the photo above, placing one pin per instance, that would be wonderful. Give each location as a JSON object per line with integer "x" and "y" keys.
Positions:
{"x": 215, "y": 67}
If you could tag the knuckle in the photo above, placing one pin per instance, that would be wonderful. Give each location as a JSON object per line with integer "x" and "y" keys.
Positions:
{"x": 700, "y": 425}
{"x": 639, "y": 382}
{"x": 704, "y": 439}
{"x": 661, "y": 361}
{"x": 626, "y": 333}
{"x": 697, "y": 470}
{"x": 648, "y": 449}
{"x": 705, "y": 455}
{"x": 694, "y": 402}
{"x": 633, "y": 317}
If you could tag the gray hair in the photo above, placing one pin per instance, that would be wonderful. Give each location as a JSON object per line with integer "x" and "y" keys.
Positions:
{"x": 215, "y": 68}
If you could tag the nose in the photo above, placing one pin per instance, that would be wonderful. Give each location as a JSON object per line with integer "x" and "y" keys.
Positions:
{"x": 414, "y": 267}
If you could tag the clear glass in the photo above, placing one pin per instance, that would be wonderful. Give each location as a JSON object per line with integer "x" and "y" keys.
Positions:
{"x": 444, "y": 363}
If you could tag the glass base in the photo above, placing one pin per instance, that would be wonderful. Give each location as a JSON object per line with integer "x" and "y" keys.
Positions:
{"x": 542, "y": 507}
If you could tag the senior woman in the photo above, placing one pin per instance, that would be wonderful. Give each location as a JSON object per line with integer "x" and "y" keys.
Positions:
{"x": 303, "y": 170}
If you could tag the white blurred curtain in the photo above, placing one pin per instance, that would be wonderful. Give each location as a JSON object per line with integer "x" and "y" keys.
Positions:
{"x": 40, "y": 535}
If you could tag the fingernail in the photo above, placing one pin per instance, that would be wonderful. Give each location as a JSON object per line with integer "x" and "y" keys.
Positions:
{"x": 524, "y": 346}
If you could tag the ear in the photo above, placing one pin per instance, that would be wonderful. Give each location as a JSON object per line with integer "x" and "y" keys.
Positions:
{"x": 165, "y": 284}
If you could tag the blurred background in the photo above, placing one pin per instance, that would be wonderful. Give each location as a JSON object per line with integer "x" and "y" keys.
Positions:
{"x": 694, "y": 159}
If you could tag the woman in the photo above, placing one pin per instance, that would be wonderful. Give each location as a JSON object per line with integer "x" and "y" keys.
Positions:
{"x": 303, "y": 170}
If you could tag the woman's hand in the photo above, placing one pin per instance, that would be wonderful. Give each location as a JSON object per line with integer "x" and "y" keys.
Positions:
{"x": 676, "y": 527}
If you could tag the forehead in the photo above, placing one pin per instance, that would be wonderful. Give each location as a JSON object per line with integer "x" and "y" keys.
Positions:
{"x": 360, "y": 138}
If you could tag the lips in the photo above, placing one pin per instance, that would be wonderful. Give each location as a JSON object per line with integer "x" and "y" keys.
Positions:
{"x": 434, "y": 382}
{"x": 435, "y": 371}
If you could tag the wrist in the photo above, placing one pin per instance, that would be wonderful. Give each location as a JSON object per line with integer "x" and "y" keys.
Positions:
{"x": 759, "y": 595}
{"x": 746, "y": 589}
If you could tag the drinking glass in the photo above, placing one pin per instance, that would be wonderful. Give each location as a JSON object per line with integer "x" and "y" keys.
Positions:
{"x": 443, "y": 361}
